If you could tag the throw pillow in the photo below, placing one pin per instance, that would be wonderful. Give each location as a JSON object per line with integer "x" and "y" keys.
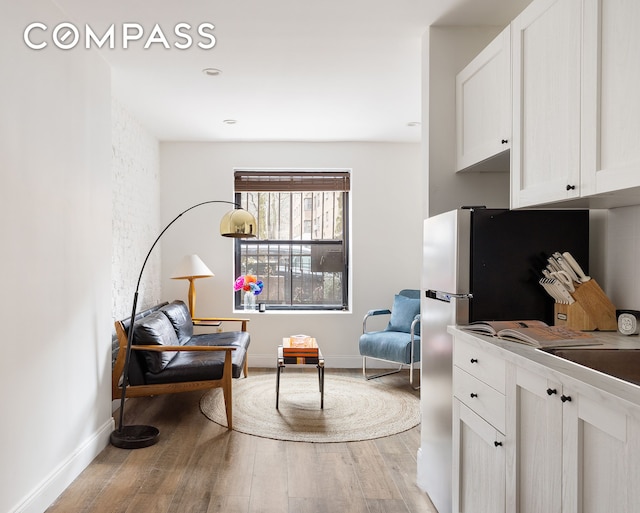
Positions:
{"x": 180, "y": 318}
{"x": 155, "y": 329}
{"x": 403, "y": 312}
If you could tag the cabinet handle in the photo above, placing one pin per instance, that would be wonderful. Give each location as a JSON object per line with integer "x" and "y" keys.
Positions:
{"x": 570, "y": 187}
{"x": 474, "y": 360}
{"x": 551, "y": 391}
{"x": 565, "y": 398}
{"x": 473, "y": 395}
{"x": 497, "y": 444}
{"x": 505, "y": 141}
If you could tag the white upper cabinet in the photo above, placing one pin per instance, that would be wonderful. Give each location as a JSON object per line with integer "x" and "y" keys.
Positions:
{"x": 545, "y": 147}
{"x": 483, "y": 108}
{"x": 611, "y": 102}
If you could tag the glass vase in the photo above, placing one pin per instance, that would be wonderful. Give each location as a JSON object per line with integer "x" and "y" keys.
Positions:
{"x": 249, "y": 301}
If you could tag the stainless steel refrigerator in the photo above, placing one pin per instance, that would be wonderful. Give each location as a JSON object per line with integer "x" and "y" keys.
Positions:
{"x": 479, "y": 264}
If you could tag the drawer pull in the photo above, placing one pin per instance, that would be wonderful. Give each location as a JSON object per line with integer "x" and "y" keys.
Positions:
{"x": 474, "y": 360}
{"x": 551, "y": 391}
{"x": 565, "y": 398}
{"x": 497, "y": 444}
{"x": 473, "y": 395}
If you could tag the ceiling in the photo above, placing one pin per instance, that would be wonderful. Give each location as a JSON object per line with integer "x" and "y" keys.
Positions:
{"x": 291, "y": 70}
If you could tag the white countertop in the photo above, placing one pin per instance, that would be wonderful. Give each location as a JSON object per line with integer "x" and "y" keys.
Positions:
{"x": 541, "y": 361}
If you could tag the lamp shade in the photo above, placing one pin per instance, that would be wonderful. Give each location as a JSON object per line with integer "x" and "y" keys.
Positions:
{"x": 191, "y": 266}
{"x": 238, "y": 223}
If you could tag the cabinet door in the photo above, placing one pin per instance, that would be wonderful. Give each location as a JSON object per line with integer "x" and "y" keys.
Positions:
{"x": 545, "y": 146}
{"x": 536, "y": 421}
{"x": 479, "y": 463}
{"x": 600, "y": 456}
{"x": 611, "y": 103}
{"x": 483, "y": 106}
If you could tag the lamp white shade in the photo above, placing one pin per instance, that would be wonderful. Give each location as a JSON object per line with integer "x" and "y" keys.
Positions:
{"x": 191, "y": 266}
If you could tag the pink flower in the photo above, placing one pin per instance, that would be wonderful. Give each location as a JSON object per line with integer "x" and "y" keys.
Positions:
{"x": 248, "y": 283}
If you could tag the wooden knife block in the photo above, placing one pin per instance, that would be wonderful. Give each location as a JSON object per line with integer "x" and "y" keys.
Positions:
{"x": 592, "y": 310}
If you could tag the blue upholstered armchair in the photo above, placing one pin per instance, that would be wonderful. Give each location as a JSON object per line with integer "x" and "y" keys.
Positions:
{"x": 399, "y": 342}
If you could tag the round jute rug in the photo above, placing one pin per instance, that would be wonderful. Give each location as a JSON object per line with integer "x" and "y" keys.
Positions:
{"x": 354, "y": 409}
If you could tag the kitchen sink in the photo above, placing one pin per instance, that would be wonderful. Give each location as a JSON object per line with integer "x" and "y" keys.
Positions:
{"x": 621, "y": 363}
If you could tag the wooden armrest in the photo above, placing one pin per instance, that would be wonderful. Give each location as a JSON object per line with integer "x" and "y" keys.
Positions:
{"x": 206, "y": 322}
{"x": 222, "y": 319}
{"x": 183, "y": 348}
{"x": 244, "y": 322}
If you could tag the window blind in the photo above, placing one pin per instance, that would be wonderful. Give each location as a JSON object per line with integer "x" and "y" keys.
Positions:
{"x": 288, "y": 181}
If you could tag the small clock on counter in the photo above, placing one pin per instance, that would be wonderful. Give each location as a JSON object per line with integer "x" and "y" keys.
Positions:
{"x": 628, "y": 321}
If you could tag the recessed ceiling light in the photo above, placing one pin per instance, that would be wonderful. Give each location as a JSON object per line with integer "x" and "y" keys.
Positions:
{"x": 212, "y": 72}
{"x": 229, "y": 121}
{"x": 413, "y": 123}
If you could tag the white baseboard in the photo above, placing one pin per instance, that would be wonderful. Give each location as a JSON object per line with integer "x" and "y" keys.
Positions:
{"x": 57, "y": 481}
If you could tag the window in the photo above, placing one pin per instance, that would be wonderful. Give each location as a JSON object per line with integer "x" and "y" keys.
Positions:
{"x": 301, "y": 249}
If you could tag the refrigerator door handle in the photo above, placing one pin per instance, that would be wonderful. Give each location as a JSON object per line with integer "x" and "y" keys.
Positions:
{"x": 446, "y": 296}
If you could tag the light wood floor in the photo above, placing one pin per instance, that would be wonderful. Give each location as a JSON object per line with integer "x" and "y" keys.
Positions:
{"x": 201, "y": 467}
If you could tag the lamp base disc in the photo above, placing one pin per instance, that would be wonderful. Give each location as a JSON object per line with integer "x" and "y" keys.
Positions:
{"x": 134, "y": 437}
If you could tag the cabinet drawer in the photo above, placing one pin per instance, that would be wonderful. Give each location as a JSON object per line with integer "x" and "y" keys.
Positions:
{"x": 485, "y": 367}
{"x": 480, "y": 397}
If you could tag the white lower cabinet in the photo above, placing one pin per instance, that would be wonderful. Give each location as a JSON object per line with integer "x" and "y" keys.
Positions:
{"x": 534, "y": 420}
{"x": 479, "y": 463}
{"x": 479, "y": 460}
{"x": 572, "y": 451}
{"x": 565, "y": 447}
{"x": 600, "y": 455}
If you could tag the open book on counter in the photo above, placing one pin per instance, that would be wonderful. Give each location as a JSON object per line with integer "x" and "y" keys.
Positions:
{"x": 533, "y": 333}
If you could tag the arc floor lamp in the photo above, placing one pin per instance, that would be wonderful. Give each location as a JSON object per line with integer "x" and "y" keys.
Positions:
{"x": 237, "y": 223}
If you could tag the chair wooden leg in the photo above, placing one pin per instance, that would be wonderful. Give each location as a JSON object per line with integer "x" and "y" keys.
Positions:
{"x": 228, "y": 405}
{"x": 226, "y": 389}
{"x": 245, "y": 369}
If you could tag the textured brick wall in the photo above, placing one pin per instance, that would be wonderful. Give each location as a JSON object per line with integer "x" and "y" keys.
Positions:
{"x": 136, "y": 212}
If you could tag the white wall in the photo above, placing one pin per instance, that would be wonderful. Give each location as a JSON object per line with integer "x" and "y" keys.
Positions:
{"x": 136, "y": 213}
{"x": 55, "y": 222}
{"x": 386, "y": 224}
{"x": 446, "y": 51}
{"x": 622, "y": 279}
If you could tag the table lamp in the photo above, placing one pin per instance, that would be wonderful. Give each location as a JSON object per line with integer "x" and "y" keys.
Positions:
{"x": 191, "y": 267}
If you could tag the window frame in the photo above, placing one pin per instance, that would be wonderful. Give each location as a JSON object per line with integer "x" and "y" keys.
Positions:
{"x": 301, "y": 178}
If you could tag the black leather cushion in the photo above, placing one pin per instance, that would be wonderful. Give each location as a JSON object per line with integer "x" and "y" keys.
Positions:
{"x": 179, "y": 315}
{"x": 155, "y": 329}
{"x": 238, "y": 339}
{"x": 205, "y": 365}
{"x": 226, "y": 338}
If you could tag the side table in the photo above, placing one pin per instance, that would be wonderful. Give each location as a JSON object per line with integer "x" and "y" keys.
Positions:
{"x": 283, "y": 361}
